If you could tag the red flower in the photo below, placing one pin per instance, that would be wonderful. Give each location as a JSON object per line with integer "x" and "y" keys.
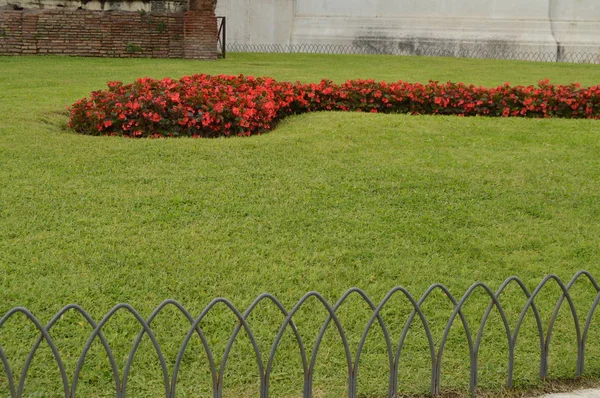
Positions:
{"x": 210, "y": 106}
{"x": 155, "y": 118}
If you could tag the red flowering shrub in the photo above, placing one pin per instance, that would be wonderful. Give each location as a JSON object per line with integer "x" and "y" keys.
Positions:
{"x": 212, "y": 106}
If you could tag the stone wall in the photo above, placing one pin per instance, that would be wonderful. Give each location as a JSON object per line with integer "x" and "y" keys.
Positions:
{"x": 174, "y": 6}
{"x": 108, "y": 34}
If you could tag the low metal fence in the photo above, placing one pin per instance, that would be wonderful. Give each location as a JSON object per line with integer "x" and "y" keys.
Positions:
{"x": 390, "y": 49}
{"x": 308, "y": 354}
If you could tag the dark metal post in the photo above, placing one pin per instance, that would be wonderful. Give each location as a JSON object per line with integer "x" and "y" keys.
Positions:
{"x": 224, "y": 44}
{"x": 222, "y": 36}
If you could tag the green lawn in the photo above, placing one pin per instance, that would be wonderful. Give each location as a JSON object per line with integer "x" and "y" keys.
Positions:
{"x": 325, "y": 202}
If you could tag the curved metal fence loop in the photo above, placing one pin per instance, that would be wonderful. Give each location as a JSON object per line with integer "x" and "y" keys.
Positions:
{"x": 9, "y": 374}
{"x": 97, "y": 331}
{"x": 581, "y": 344}
{"x": 586, "y": 329}
{"x": 586, "y": 275}
{"x": 309, "y": 379}
{"x": 363, "y": 339}
{"x": 396, "y": 359}
{"x": 538, "y": 319}
{"x": 281, "y": 307}
{"x": 190, "y": 333}
{"x": 337, "y": 305}
{"x": 138, "y": 340}
{"x": 541, "y": 285}
{"x": 242, "y": 320}
{"x": 566, "y": 294}
{"x": 575, "y": 322}
{"x": 46, "y": 335}
{"x": 90, "y": 322}
{"x": 446, "y": 291}
{"x": 473, "y": 350}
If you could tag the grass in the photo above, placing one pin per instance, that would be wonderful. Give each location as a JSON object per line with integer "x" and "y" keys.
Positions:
{"x": 325, "y": 202}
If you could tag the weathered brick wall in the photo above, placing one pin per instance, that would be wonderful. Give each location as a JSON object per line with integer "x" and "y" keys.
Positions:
{"x": 11, "y": 32}
{"x": 107, "y": 34}
{"x": 198, "y": 38}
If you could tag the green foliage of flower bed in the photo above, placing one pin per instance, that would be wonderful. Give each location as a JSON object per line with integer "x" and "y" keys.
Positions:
{"x": 211, "y": 106}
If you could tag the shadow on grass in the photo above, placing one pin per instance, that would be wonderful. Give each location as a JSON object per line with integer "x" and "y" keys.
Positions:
{"x": 58, "y": 120}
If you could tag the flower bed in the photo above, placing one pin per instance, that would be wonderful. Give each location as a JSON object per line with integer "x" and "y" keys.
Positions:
{"x": 213, "y": 106}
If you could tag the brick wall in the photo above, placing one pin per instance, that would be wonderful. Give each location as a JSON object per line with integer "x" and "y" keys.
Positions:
{"x": 11, "y": 32}
{"x": 199, "y": 41}
{"x": 108, "y": 34}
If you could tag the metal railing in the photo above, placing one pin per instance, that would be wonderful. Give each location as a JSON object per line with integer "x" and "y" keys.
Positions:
{"x": 222, "y": 37}
{"x": 390, "y": 49}
{"x": 308, "y": 355}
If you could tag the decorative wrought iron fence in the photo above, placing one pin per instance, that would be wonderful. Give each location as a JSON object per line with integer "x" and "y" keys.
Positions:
{"x": 383, "y": 49}
{"x": 265, "y": 360}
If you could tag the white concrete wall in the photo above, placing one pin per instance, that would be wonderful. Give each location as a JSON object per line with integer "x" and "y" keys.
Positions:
{"x": 576, "y": 24}
{"x": 414, "y": 26}
{"x": 423, "y": 8}
{"x": 258, "y": 21}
